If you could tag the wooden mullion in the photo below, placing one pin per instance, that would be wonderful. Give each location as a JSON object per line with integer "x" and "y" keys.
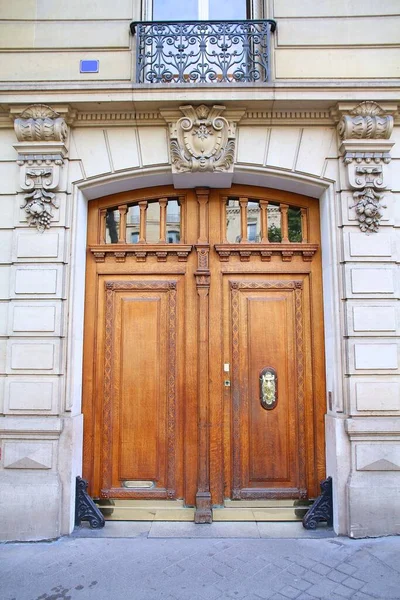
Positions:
{"x": 243, "y": 202}
{"x": 284, "y": 223}
{"x": 163, "y": 219}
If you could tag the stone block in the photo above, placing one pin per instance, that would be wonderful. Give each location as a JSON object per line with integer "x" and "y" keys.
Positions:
{"x": 252, "y": 145}
{"x": 350, "y": 218}
{"x": 9, "y": 176}
{"x": 339, "y": 8}
{"x": 33, "y": 318}
{"x": 373, "y": 395}
{"x": 337, "y": 63}
{"x": 23, "y": 395}
{"x": 372, "y": 282}
{"x": 29, "y": 516}
{"x": 360, "y": 246}
{"x": 153, "y": 145}
{"x": 394, "y": 175}
{"x": 27, "y": 454}
{"x": 5, "y": 272}
{"x": 36, "y": 66}
{"x": 375, "y": 356}
{"x": 32, "y": 245}
{"x": 395, "y": 137}
{"x": 123, "y": 146}
{"x": 7, "y": 205}
{"x": 373, "y": 500}
{"x": 316, "y": 145}
{"x": 5, "y": 245}
{"x": 3, "y": 355}
{"x": 59, "y": 214}
{"x": 24, "y": 10}
{"x": 45, "y": 281}
{"x": 74, "y": 34}
{"x": 328, "y": 32}
{"x": 371, "y": 318}
{"x": 103, "y": 10}
{"x": 3, "y": 318}
{"x": 7, "y": 136}
{"x": 2, "y": 383}
{"x": 377, "y": 457}
{"x": 89, "y": 145}
{"x": 33, "y": 356}
{"x": 17, "y": 35}
{"x": 282, "y": 147}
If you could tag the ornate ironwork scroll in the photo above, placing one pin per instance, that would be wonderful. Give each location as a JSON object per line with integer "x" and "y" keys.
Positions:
{"x": 268, "y": 388}
{"x": 85, "y": 508}
{"x": 322, "y": 509}
{"x": 202, "y": 51}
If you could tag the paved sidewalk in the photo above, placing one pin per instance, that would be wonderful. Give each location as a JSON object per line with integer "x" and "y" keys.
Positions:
{"x": 181, "y": 561}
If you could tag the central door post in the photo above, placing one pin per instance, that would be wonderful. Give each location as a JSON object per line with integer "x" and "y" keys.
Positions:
{"x": 203, "y": 512}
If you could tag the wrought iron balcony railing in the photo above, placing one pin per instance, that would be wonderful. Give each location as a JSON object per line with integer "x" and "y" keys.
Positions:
{"x": 202, "y": 51}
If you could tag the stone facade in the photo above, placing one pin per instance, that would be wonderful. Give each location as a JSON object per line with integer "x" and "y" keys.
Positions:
{"x": 327, "y": 126}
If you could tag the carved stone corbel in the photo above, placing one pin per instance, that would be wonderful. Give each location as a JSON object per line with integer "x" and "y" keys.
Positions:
{"x": 42, "y": 136}
{"x": 365, "y": 132}
{"x": 202, "y": 144}
{"x": 40, "y": 123}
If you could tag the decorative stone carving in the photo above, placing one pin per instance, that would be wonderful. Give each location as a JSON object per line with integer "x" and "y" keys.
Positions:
{"x": 40, "y": 123}
{"x": 202, "y": 140}
{"x": 366, "y": 121}
{"x": 366, "y": 154}
{"x": 40, "y": 175}
{"x": 42, "y": 133}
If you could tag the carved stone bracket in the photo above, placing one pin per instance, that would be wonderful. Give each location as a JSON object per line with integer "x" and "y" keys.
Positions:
{"x": 366, "y": 152}
{"x": 42, "y": 134}
{"x": 366, "y": 121}
{"x": 202, "y": 142}
{"x": 40, "y": 123}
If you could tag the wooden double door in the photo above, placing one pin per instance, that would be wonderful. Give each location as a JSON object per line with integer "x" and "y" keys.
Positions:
{"x": 204, "y": 359}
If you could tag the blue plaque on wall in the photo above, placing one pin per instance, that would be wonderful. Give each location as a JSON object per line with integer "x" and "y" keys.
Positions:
{"x": 89, "y": 66}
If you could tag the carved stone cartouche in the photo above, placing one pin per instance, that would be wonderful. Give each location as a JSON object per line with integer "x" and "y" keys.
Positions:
{"x": 202, "y": 140}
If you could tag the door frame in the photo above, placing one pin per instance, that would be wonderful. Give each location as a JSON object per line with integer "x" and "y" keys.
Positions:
{"x": 321, "y": 188}
{"x": 202, "y": 277}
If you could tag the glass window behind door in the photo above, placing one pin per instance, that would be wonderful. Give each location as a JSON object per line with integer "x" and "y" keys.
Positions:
{"x": 193, "y": 10}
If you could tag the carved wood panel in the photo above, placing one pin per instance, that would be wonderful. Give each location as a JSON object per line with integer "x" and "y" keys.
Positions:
{"x": 139, "y": 442}
{"x": 268, "y": 447}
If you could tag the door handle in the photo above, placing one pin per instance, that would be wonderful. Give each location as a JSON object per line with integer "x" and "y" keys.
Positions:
{"x": 268, "y": 388}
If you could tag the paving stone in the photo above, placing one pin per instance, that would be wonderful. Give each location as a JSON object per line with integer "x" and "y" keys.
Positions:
{"x": 353, "y": 583}
{"x": 321, "y": 569}
{"x": 346, "y": 568}
{"x": 290, "y": 592}
{"x": 344, "y": 592}
{"x": 323, "y": 589}
{"x": 296, "y": 569}
{"x": 336, "y": 576}
{"x": 301, "y": 584}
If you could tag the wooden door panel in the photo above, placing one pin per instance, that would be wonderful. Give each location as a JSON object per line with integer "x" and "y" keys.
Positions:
{"x": 268, "y": 445}
{"x": 140, "y": 380}
{"x": 142, "y": 385}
